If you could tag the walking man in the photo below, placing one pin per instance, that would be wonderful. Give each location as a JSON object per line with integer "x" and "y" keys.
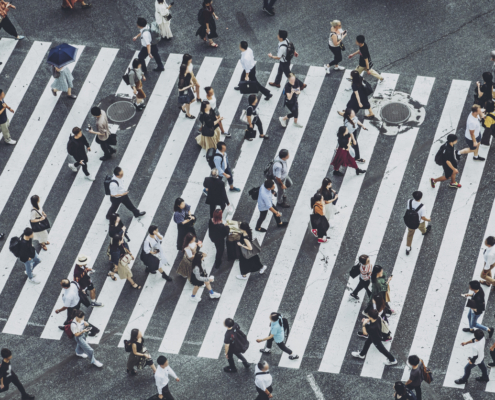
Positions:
{"x": 7, "y": 375}
{"x": 263, "y": 381}
{"x": 80, "y": 329}
{"x": 223, "y": 166}
{"x": 477, "y": 360}
{"x": 473, "y": 132}
{"x": 71, "y": 299}
{"x": 249, "y": 69}
{"x": 78, "y": 147}
{"x": 119, "y": 194}
{"x": 416, "y": 376}
{"x": 253, "y": 117}
{"x": 103, "y": 133}
{"x": 282, "y": 56}
{"x": 277, "y": 335}
{"x": 476, "y": 308}
{"x": 265, "y": 204}
{"x": 28, "y": 254}
{"x": 4, "y": 120}
{"x": 148, "y": 49}
{"x": 372, "y": 327}
{"x": 231, "y": 348}
{"x": 161, "y": 378}
{"x": 420, "y": 208}
{"x": 215, "y": 192}
{"x": 81, "y": 276}
{"x": 489, "y": 258}
{"x": 365, "y": 63}
{"x": 365, "y": 269}
{"x": 280, "y": 173}
{"x": 449, "y": 163}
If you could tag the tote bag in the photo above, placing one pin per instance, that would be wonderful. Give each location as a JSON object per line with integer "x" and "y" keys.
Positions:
{"x": 251, "y": 253}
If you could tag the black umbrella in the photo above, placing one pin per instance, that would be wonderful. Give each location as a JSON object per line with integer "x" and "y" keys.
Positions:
{"x": 62, "y": 55}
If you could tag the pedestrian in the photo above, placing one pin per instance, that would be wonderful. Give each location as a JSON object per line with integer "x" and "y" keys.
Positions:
{"x": 249, "y": 69}
{"x": 231, "y": 345}
{"x": 352, "y": 123}
{"x": 80, "y": 329}
{"x": 476, "y": 308}
{"x": 420, "y": 209}
{"x": 319, "y": 223}
{"x": 77, "y": 147}
{"x": 125, "y": 272}
{"x": 492, "y": 58}
{"x": 186, "y": 95}
{"x": 71, "y": 300}
{"x": 83, "y": 279}
{"x": 365, "y": 63}
{"x": 280, "y": 172}
{"x": 119, "y": 194}
{"x": 148, "y": 48}
{"x": 118, "y": 248}
{"x": 380, "y": 290}
{"x": 139, "y": 356}
{"x": 402, "y": 393}
{"x": 153, "y": 245}
{"x": 103, "y": 137}
{"x": 492, "y": 355}
{"x": 285, "y": 57}
{"x": 187, "y": 59}
{"x": 372, "y": 328}
{"x": 5, "y": 23}
{"x": 199, "y": 277}
{"x": 217, "y": 232}
{"x": 473, "y": 132}
{"x": 210, "y": 97}
{"x": 276, "y": 335}
{"x": 28, "y": 255}
{"x": 62, "y": 81}
{"x": 268, "y": 7}
{"x": 265, "y": 204}
{"x": 336, "y": 45}
{"x": 343, "y": 156}
{"x": 484, "y": 93}
{"x": 263, "y": 381}
{"x": 330, "y": 196}
{"x": 223, "y": 166}
{"x": 163, "y": 17}
{"x": 488, "y": 123}
{"x": 39, "y": 227}
{"x": 116, "y": 226}
{"x": 477, "y": 360}
{"x": 359, "y": 98}
{"x": 161, "y": 378}
{"x": 365, "y": 269}
{"x": 210, "y": 131}
{"x": 136, "y": 78}
{"x": 449, "y": 163}
{"x": 292, "y": 91}
{"x": 489, "y": 262}
{"x": 208, "y": 27}
{"x": 69, "y": 4}
{"x": 190, "y": 247}
{"x": 252, "y": 264}
{"x": 216, "y": 193}
{"x": 184, "y": 220}
{"x": 416, "y": 376}
{"x": 253, "y": 117}
{"x": 4, "y": 120}
{"x": 8, "y": 376}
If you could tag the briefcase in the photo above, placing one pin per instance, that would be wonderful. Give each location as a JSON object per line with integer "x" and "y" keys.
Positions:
{"x": 248, "y": 87}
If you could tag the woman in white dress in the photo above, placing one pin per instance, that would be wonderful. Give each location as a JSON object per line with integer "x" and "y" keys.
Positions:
{"x": 38, "y": 215}
{"x": 162, "y": 12}
{"x": 64, "y": 82}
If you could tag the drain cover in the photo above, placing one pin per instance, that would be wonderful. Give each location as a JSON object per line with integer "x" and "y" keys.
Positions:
{"x": 395, "y": 113}
{"x": 121, "y": 111}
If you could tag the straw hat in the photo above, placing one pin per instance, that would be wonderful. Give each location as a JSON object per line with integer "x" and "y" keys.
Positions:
{"x": 82, "y": 260}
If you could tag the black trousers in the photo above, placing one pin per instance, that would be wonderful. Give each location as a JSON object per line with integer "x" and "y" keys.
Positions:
{"x": 220, "y": 246}
{"x": 492, "y": 354}
{"x": 363, "y": 285}
{"x": 213, "y": 207}
{"x": 8, "y": 27}
{"x": 252, "y": 77}
{"x": 263, "y": 216}
{"x": 337, "y": 55}
{"x": 70, "y": 311}
{"x": 15, "y": 380}
{"x": 256, "y": 121}
{"x": 261, "y": 393}
{"x": 283, "y": 68}
{"x": 230, "y": 358}
{"x": 84, "y": 166}
{"x": 417, "y": 389}
{"x": 379, "y": 346}
{"x": 166, "y": 393}
{"x": 117, "y": 201}
{"x": 107, "y": 149}
{"x": 143, "y": 55}
{"x": 294, "y": 110}
{"x": 281, "y": 346}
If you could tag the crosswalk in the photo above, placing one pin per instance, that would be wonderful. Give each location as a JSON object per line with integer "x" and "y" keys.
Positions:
{"x": 294, "y": 258}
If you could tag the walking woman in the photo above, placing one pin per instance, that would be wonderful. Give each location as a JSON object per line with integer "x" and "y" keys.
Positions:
{"x": 210, "y": 96}
{"x": 186, "y": 95}
{"x": 187, "y": 59}
{"x": 336, "y": 45}
{"x": 63, "y": 81}
{"x": 5, "y": 23}
{"x": 343, "y": 156}
{"x": 218, "y": 231}
{"x": 248, "y": 265}
{"x": 117, "y": 227}
{"x": 210, "y": 131}
{"x": 484, "y": 93}
{"x": 184, "y": 220}
{"x": 276, "y": 334}
{"x": 190, "y": 247}
{"x": 359, "y": 97}
{"x": 163, "y": 17}
{"x": 124, "y": 270}
{"x": 292, "y": 90}
{"x": 136, "y": 78}
{"x": 199, "y": 277}
{"x": 319, "y": 223}
{"x": 330, "y": 196}
{"x": 118, "y": 249}
{"x": 352, "y": 123}
{"x": 379, "y": 291}
{"x": 139, "y": 356}
{"x": 153, "y": 256}
{"x": 39, "y": 222}
{"x": 208, "y": 29}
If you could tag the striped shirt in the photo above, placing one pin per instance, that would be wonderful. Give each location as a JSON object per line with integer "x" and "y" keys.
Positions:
{"x": 365, "y": 271}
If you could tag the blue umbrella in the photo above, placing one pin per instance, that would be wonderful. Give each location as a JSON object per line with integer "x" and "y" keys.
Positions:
{"x": 62, "y": 55}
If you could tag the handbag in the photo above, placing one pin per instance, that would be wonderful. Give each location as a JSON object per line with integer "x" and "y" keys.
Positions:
{"x": 352, "y": 152}
{"x": 251, "y": 253}
{"x": 369, "y": 89}
{"x": 250, "y": 133}
{"x": 55, "y": 73}
{"x": 183, "y": 98}
{"x": 427, "y": 373}
{"x": 288, "y": 182}
{"x": 341, "y": 45}
{"x": 168, "y": 17}
{"x": 243, "y": 117}
{"x": 41, "y": 225}
{"x": 387, "y": 294}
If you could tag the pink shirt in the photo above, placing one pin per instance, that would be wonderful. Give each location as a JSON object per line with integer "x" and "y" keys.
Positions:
{"x": 365, "y": 271}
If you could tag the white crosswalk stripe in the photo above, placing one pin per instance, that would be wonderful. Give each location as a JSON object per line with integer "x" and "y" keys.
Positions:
{"x": 7, "y": 46}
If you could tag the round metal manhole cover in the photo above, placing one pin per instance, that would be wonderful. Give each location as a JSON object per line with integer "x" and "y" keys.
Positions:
{"x": 121, "y": 111}
{"x": 395, "y": 113}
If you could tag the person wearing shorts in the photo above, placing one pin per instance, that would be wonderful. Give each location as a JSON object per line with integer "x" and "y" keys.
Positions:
{"x": 473, "y": 134}
{"x": 449, "y": 164}
{"x": 136, "y": 78}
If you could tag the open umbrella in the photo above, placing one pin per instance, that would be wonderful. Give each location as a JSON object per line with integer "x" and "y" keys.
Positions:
{"x": 62, "y": 55}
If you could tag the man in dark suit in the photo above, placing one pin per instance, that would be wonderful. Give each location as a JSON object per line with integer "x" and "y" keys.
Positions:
{"x": 217, "y": 195}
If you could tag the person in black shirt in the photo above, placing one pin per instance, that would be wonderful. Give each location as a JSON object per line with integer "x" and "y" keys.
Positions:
{"x": 450, "y": 157}
{"x": 230, "y": 347}
{"x": 343, "y": 156}
{"x": 4, "y": 120}
{"x": 478, "y": 297}
{"x": 253, "y": 117}
{"x": 365, "y": 62}
{"x": 292, "y": 90}
{"x": 217, "y": 195}
{"x": 218, "y": 231}
{"x": 484, "y": 93}
{"x": 7, "y": 376}
{"x": 28, "y": 254}
{"x": 76, "y": 148}
{"x": 359, "y": 98}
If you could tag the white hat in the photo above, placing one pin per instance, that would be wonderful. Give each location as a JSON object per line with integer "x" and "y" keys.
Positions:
{"x": 82, "y": 260}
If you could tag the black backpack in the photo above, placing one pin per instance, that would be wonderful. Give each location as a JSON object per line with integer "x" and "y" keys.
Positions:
{"x": 211, "y": 153}
{"x": 14, "y": 246}
{"x": 285, "y": 324}
{"x": 238, "y": 339}
{"x": 291, "y": 50}
{"x": 71, "y": 146}
{"x": 439, "y": 157}
{"x": 355, "y": 270}
{"x": 268, "y": 171}
{"x": 254, "y": 193}
{"x": 106, "y": 184}
{"x": 126, "y": 78}
{"x": 411, "y": 217}
{"x": 128, "y": 346}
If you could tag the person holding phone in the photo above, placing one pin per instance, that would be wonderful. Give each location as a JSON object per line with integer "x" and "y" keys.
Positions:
{"x": 80, "y": 329}
{"x": 163, "y": 17}
{"x": 292, "y": 91}
{"x": 335, "y": 44}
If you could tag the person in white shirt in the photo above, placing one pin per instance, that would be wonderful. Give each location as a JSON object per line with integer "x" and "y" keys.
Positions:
{"x": 153, "y": 245}
{"x": 365, "y": 269}
{"x": 148, "y": 49}
{"x": 263, "y": 381}
{"x": 477, "y": 360}
{"x": 489, "y": 258}
{"x": 80, "y": 329}
{"x": 249, "y": 69}
{"x": 162, "y": 17}
{"x": 161, "y": 378}
{"x": 119, "y": 194}
{"x": 284, "y": 65}
{"x": 70, "y": 297}
{"x": 414, "y": 203}
{"x": 473, "y": 134}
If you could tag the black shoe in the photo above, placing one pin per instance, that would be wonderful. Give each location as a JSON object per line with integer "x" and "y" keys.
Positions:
{"x": 338, "y": 173}
{"x": 216, "y": 266}
{"x": 354, "y": 296}
{"x": 159, "y": 69}
{"x": 61, "y": 327}
{"x": 481, "y": 379}
{"x": 140, "y": 214}
{"x": 268, "y": 12}
{"x": 490, "y": 333}
{"x": 246, "y": 365}
{"x": 229, "y": 370}
{"x": 478, "y": 159}
{"x": 283, "y": 205}
{"x": 27, "y": 396}
{"x": 360, "y": 171}
{"x": 237, "y": 88}
{"x": 2, "y": 236}
{"x": 166, "y": 277}
{"x": 105, "y": 158}
{"x": 468, "y": 330}
{"x": 428, "y": 229}
{"x": 492, "y": 364}
{"x": 407, "y": 251}
{"x": 269, "y": 96}
{"x": 361, "y": 334}
{"x": 282, "y": 225}
{"x": 262, "y": 230}
{"x": 132, "y": 372}
{"x": 460, "y": 381}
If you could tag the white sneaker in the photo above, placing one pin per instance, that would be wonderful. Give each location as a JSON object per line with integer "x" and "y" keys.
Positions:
{"x": 283, "y": 121}
{"x": 195, "y": 299}
{"x": 327, "y": 68}
{"x": 214, "y": 295}
{"x": 98, "y": 364}
{"x": 348, "y": 89}
{"x": 11, "y": 141}
{"x": 297, "y": 125}
{"x": 32, "y": 274}
{"x": 89, "y": 178}
{"x": 71, "y": 166}
{"x": 83, "y": 355}
{"x": 357, "y": 354}
{"x": 34, "y": 281}
{"x": 390, "y": 362}
{"x": 338, "y": 68}
{"x": 242, "y": 278}
{"x": 262, "y": 270}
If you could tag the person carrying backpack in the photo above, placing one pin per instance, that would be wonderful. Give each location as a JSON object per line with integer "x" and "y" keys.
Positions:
{"x": 447, "y": 157}
{"x": 402, "y": 393}
{"x": 236, "y": 343}
{"x": 415, "y": 218}
{"x": 263, "y": 381}
{"x": 276, "y": 334}
{"x": 78, "y": 147}
{"x": 286, "y": 51}
{"x": 150, "y": 36}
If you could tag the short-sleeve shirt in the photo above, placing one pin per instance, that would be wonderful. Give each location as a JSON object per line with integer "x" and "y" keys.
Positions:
{"x": 450, "y": 156}
{"x": 102, "y": 126}
{"x": 472, "y": 124}
{"x": 252, "y": 110}
{"x": 77, "y": 327}
{"x": 416, "y": 376}
{"x": 288, "y": 89}
{"x": 5, "y": 370}
{"x": 349, "y": 126}
{"x": 180, "y": 216}
{"x": 277, "y": 331}
{"x": 228, "y": 336}
{"x": 364, "y": 54}
{"x": 280, "y": 169}
{"x": 489, "y": 257}
{"x": 421, "y": 211}
{"x": 374, "y": 330}
{"x": 71, "y": 296}
{"x": 282, "y": 50}
{"x": 3, "y": 116}
{"x": 145, "y": 36}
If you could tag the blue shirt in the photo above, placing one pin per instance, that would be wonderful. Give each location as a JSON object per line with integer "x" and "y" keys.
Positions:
{"x": 221, "y": 163}
{"x": 277, "y": 331}
{"x": 3, "y": 116}
{"x": 180, "y": 216}
{"x": 264, "y": 199}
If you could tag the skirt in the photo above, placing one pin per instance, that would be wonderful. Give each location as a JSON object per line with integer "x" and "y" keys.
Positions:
{"x": 41, "y": 237}
{"x": 209, "y": 142}
{"x": 190, "y": 96}
{"x": 329, "y": 211}
{"x": 343, "y": 159}
{"x": 353, "y": 103}
{"x": 201, "y": 32}
{"x": 124, "y": 271}
{"x": 185, "y": 267}
{"x": 248, "y": 265}
{"x": 64, "y": 81}
{"x": 165, "y": 31}
{"x": 195, "y": 282}
{"x": 138, "y": 361}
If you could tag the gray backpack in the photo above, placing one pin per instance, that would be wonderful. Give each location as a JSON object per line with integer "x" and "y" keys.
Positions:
{"x": 154, "y": 30}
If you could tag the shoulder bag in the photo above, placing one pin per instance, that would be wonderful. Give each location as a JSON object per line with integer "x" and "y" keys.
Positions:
{"x": 41, "y": 225}
{"x": 251, "y": 253}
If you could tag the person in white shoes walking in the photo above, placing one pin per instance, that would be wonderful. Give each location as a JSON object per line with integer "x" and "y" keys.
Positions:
{"x": 252, "y": 264}
{"x": 199, "y": 278}
{"x": 77, "y": 147}
{"x": 292, "y": 91}
{"x": 28, "y": 254}
{"x": 80, "y": 329}
{"x": 161, "y": 378}
{"x": 81, "y": 276}
{"x": 336, "y": 45}
{"x": 277, "y": 335}
{"x": 4, "y": 120}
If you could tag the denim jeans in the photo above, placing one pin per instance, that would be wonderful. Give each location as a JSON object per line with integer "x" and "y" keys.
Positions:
{"x": 84, "y": 347}
{"x": 31, "y": 264}
{"x": 469, "y": 367}
{"x": 473, "y": 321}
{"x": 228, "y": 171}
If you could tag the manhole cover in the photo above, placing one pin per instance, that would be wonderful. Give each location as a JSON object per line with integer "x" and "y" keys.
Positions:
{"x": 395, "y": 113}
{"x": 121, "y": 111}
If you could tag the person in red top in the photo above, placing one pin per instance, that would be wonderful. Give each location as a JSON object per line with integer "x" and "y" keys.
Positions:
{"x": 6, "y": 24}
{"x": 81, "y": 276}
{"x": 364, "y": 279}
{"x": 69, "y": 4}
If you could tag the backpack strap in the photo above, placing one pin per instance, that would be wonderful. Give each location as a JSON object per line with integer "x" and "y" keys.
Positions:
{"x": 417, "y": 209}
{"x": 262, "y": 373}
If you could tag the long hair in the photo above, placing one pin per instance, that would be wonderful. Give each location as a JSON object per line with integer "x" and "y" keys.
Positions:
{"x": 324, "y": 185}
{"x": 134, "y": 335}
{"x": 113, "y": 219}
{"x": 347, "y": 116}
{"x": 35, "y": 199}
{"x": 187, "y": 239}
{"x": 185, "y": 58}
{"x": 178, "y": 201}
{"x": 182, "y": 75}
{"x": 217, "y": 217}
{"x": 197, "y": 260}
{"x": 341, "y": 131}
{"x": 356, "y": 79}
{"x": 204, "y": 103}
{"x": 376, "y": 270}
{"x": 245, "y": 227}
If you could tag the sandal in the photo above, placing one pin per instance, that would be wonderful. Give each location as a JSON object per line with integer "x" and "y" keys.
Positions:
{"x": 213, "y": 45}
{"x": 86, "y": 5}
{"x": 47, "y": 243}
{"x": 137, "y": 287}
{"x": 43, "y": 246}
{"x": 112, "y": 276}
{"x": 54, "y": 92}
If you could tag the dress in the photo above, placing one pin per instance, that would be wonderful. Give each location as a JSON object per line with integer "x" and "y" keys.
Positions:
{"x": 64, "y": 81}
{"x": 208, "y": 142}
{"x": 123, "y": 270}
{"x": 329, "y": 208}
{"x": 161, "y": 11}
{"x": 42, "y": 236}
{"x": 186, "y": 82}
{"x": 207, "y": 17}
{"x": 353, "y": 103}
{"x": 138, "y": 361}
{"x": 252, "y": 264}
{"x": 343, "y": 157}
{"x": 185, "y": 267}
